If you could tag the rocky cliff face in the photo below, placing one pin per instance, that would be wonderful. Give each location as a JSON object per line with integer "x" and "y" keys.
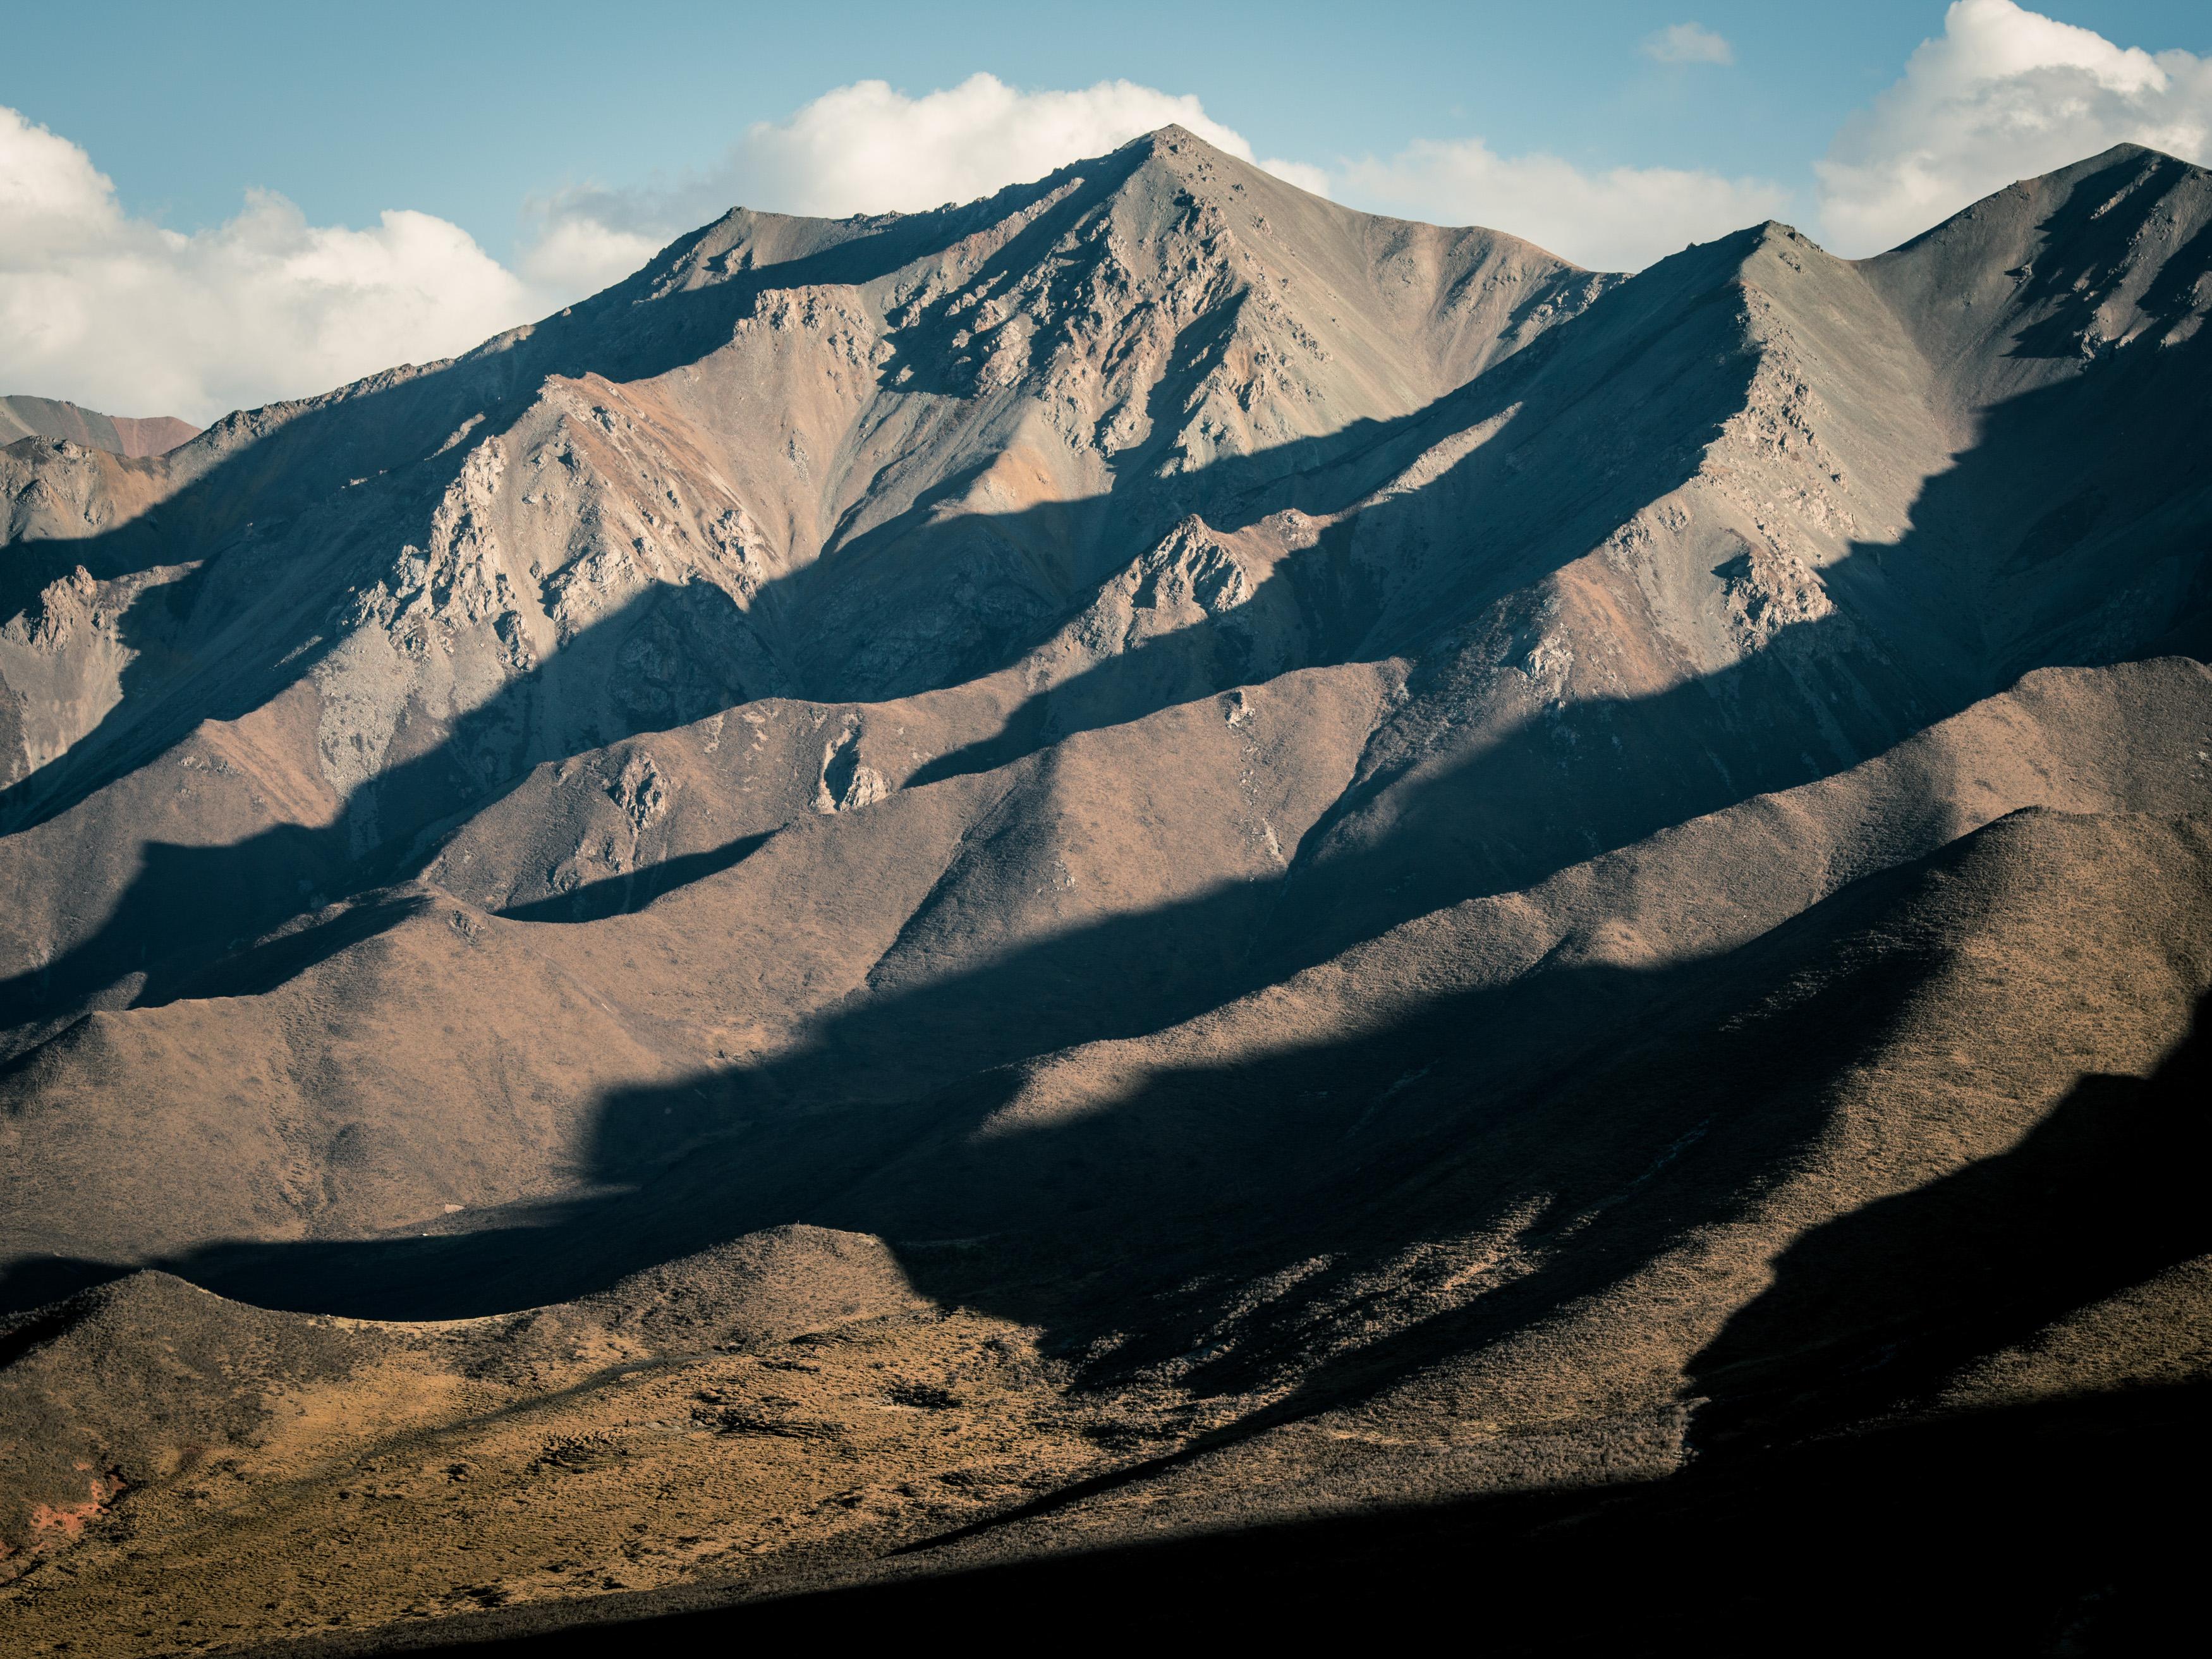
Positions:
{"x": 1336, "y": 831}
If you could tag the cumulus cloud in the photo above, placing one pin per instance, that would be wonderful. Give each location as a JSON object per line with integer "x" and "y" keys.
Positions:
{"x": 2003, "y": 93}
{"x": 1688, "y": 43}
{"x": 1614, "y": 219}
{"x": 867, "y": 149}
{"x": 125, "y": 316}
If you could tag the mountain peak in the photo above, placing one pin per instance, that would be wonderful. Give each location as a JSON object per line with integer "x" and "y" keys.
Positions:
{"x": 1173, "y": 137}
{"x": 2126, "y": 155}
{"x": 2126, "y": 149}
{"x": 1192, "y": 158}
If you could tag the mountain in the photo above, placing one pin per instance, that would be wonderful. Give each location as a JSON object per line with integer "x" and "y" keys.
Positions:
{"x": 132, "y": 437}
{"x": 1143, "y": 858}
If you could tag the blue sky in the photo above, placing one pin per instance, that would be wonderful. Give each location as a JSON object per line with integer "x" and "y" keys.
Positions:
{"x": 463, "y": 110}
{"x": 555, "y": 140}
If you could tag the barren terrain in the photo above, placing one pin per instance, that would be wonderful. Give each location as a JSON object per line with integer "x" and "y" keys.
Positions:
{"x": 1146, "y": 865}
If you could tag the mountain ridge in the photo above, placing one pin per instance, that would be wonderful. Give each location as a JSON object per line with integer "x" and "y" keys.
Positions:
{"x": 1324, "y": 836}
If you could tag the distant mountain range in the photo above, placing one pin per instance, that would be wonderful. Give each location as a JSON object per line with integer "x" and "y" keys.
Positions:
{"x": 119, "y": 434}
{"x": 1144, "y": 858}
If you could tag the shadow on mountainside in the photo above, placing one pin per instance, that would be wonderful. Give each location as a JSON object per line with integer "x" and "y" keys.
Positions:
{"x": 1617, "y": 1108}
{"x": 627, "y": 894}
{"x": 1566, "y": 783}
{"x": 2039, "y": 1529}
{"x": 189, "y": 910}
{"x": 312, "y": 476}
{"x": 325, "y": 464}
{"x": 188, "y": 907}
{"x": 2075, "y": 273}
{"x": 1195, "y": 1173}
{"x": 1877, "y": 1308}
{"x": 1559, "y": 787}
{"x": 1489, "y": 1113}
{"x": 1992, "y": 581}
{"x": 1128, "y": 1235}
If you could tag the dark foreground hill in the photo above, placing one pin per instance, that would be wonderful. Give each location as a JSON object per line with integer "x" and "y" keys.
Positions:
{"x": 1145, "y": 861}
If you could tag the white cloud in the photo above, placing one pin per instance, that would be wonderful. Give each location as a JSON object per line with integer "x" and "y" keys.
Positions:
{"x": 1619, "y": 219}
{"x": 124, "y": 316}
{"x": 2003, "y": 93}
{"x": 1688, "y": 43}
{"x": 867, "y": 149}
